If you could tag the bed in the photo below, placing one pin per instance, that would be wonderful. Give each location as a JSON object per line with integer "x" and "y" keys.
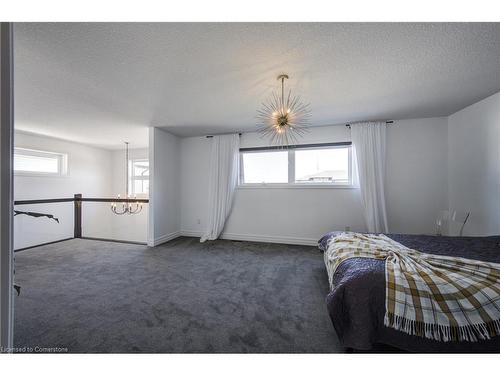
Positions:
{"x": 356, "y": 304}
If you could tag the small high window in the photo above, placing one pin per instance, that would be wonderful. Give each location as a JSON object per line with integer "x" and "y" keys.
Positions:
{"x": 39, "y": 163}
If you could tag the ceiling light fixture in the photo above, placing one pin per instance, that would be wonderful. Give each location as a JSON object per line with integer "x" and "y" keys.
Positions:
{"x": 283, "y": 119}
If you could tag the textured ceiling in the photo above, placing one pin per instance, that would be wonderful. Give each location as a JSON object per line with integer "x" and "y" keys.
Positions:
{"x": 107, "y": 82}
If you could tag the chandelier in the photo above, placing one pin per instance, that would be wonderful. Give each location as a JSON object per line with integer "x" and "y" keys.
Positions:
{"x": 127, "y": 207}
{"x": 283, "y": 119}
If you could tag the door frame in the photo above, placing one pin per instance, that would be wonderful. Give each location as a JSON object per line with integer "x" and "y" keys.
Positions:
{"x": 6, "y": 187}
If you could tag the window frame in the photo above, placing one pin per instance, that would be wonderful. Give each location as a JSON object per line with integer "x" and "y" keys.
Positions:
{"x": 62, "y": 162}
{"x": 133, "y": 177}
{"x": 291, "y": 167}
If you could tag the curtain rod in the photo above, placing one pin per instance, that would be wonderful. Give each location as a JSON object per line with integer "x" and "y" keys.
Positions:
{"x": 387, "y": 122}
{"x": 348, "y": 125}
{"x": 211, "y": 136}
{"x": 291, "y": 147}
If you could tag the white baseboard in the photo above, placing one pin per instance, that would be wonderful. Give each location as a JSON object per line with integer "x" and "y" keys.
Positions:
{"x": 270, "y": 239}
{"x": 165, "y": 238}
{"x": 258, "y": 238}
{"x": 191, "y": 233}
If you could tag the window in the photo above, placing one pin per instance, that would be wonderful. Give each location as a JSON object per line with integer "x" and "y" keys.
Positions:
{"x": 39, "y": 163}
{"x": 139, "y": 177}
{"x": 265, "y": 167}
{"x": 319, "y": 164}
{"x": 329, "y": 165}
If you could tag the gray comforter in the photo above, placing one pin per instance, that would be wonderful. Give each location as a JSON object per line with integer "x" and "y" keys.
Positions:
{"x": 357, "y": 302}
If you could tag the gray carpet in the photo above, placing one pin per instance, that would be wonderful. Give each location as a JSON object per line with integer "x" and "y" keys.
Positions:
{"x": 183, "y": 296}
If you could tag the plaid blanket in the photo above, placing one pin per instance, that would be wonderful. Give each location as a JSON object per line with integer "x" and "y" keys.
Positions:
{"x": 437, "y": 297}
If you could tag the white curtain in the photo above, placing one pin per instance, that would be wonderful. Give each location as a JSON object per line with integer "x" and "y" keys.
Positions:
{"x": 224, "y": 170}
{"x": 369, "y": 139}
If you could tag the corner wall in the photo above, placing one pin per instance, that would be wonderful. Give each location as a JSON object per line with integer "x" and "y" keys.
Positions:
{"x": 474, "y": 166}
{"x": 164, "y": 210}
{"x": 416, "y": 181}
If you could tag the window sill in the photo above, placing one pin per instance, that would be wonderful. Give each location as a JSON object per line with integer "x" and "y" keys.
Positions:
{"x": 295, "y": 186}
{"x": 39, "y": 174}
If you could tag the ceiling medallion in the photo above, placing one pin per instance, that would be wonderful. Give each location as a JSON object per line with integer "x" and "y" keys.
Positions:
{"x": 283, "y": 119}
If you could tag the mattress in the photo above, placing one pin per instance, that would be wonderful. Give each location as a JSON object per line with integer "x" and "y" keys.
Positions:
{"x": 356, "y": 304}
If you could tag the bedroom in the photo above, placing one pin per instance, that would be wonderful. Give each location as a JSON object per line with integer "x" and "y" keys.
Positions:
{"x": 201, "y": 209}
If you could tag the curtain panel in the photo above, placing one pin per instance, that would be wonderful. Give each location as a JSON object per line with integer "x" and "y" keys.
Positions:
{"x": 223, "y": 180}
{"x": 369, "y": 140}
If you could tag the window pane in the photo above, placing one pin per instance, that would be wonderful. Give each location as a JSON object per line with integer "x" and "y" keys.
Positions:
{"x": 265, "y": 167}
{"x": 141, "y": 187}
{"x": 322, "y": 165}
{"x": 36, "y": 164}
{"x": 141, "y": 168}
{"x": 139, "y": 177}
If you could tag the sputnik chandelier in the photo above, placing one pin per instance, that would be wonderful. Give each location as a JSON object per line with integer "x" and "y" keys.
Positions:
{"x": 283, "y": 119}
{"x": 126, "y": 207}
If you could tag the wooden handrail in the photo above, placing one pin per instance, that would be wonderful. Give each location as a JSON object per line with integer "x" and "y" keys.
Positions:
{"x": 124, "y": 200}
{"x": 60, "y": 200}
{"x": 77, "y": 202}
{"x": 41, "y": 201}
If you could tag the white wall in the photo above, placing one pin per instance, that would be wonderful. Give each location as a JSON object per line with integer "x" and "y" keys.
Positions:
{"x": 416, "y": 180}
{"x": 416, "y": 191}
{"x": 94, "y": 172}
{"x": 432, "y": 164}
{"x": 474, "y": 165}
{"x": 164, "y": 211}
{"x": 195, "y": 161}
{"x": 88, "y": 173}
{"x": 127, "y": 227}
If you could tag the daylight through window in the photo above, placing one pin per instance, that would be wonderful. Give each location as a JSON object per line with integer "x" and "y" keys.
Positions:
{"x": 36, "y": 162}
{"x": 312, "y": 165}
{"x": 139, "y": 177}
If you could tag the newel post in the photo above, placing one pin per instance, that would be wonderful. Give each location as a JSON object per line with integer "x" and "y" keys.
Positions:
{"x": 78, "y": 216}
